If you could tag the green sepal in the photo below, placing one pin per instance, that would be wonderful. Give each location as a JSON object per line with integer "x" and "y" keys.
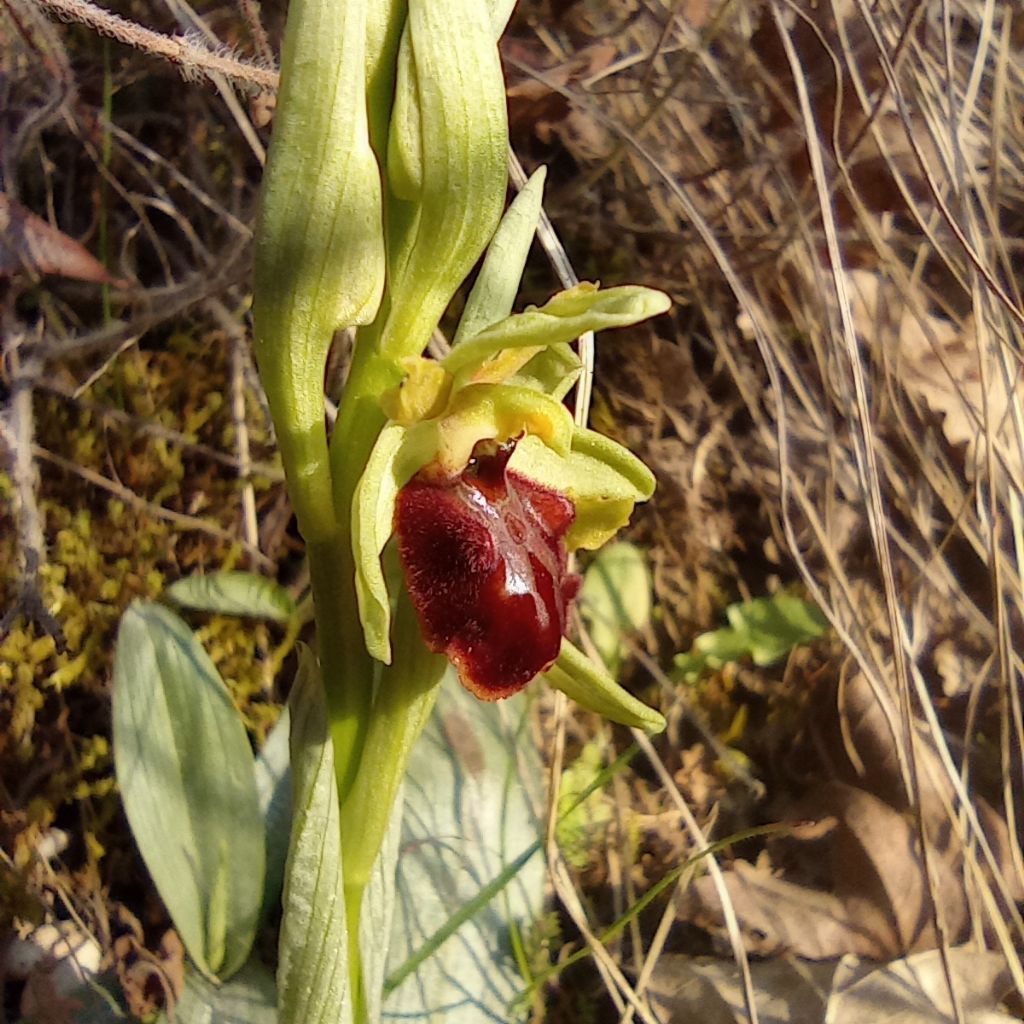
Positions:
{"x": 562, "y": 318}
{"x": 601, "y": 478}
{"x": 497, "y": 284}
{"x": 581, "y": 680}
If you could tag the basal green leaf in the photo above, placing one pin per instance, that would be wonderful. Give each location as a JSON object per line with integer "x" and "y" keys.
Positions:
{"x": 274, "y": 793}
{"x": 495, "y": 288}
{"x": 185, "y": 770}
{"x": 562, "y": 318}
{"x": 579, "y": 678}
{"x": 615, "y": 598}
{"x": 234, "y": 593}
{"x": 313, "y": 982}
{"x": 469, "y": 867}
{"x": 378, "y": 911}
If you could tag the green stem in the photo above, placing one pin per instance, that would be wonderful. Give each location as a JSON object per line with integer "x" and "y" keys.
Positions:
{"x": 357, "y": 988}
{"x": 405, "y": 697}
{"x": 346, "y": 668}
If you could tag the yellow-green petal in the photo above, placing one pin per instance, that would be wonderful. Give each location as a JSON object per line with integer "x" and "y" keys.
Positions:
{"x": 373, "y": 512}
{"x": 562, "y": 318}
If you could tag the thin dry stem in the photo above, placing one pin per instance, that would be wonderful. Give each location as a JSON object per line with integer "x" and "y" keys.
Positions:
{"x": 191, "y": 58}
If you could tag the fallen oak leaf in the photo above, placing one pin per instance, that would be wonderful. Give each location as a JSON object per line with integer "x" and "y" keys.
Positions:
{"x": 29, "y": 245}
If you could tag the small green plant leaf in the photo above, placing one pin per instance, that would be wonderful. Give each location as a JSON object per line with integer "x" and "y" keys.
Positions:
{"x": 615, "y": 599}
{"x": 186, "y": 774}
{"x": 580, "y": 679}
{"x": 250, "y": 997}
{"x": 765, "y": 630}
{"x": 405, "y": 149}
{"x": 234, "y": 593}
{"x": 495, "y": 288}
{"x": 313, "y": 950}
{"x": 468, "y": 822}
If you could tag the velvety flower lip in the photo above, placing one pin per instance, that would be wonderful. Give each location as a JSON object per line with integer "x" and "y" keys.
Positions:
{"x": 485, "y": 564}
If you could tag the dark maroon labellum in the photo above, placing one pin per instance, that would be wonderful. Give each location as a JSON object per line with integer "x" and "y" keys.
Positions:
{"x": 485, "y": 566}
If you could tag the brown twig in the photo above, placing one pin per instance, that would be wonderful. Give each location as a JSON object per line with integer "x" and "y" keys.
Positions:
{"x": 191, "y": 58}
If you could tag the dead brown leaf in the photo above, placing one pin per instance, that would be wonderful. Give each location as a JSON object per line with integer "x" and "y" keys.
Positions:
{"x": 29, "y": 245}
{"x": 914, "y": 990}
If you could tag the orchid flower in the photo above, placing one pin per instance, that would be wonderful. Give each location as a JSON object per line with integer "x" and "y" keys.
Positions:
{"x": 487, "y": 483}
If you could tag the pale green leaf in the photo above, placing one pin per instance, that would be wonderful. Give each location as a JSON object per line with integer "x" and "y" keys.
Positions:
{"x": 373, "y": 512}
{"x": 274, "y": 792}
{"x": 313, "y": 950}
{"x": 320, "y": 247}
{"x": 460, "y": 93}
{"x": 562, "y": 318}
{"x": 384, "y": 23}
{"x": 378, "y": 911}
{"x": 468, "y": 822}
{"x": 185, "y": 770}
{"x": 497, "y": 284}
{"x": 234, "y": 593}
{"x": 615, "y": 598}
{"x": 250, "y": 997}
{"x": 581, "y": 680}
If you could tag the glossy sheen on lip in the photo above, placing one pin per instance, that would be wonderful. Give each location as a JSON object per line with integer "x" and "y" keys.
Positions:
{"x": 485, "y": 567}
